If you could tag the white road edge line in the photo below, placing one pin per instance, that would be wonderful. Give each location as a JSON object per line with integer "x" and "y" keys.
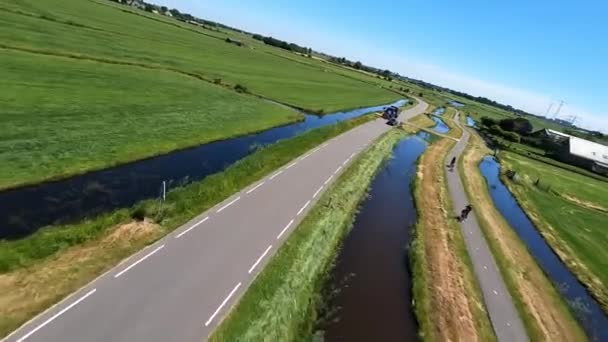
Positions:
{"x": 259, "y": 259}
{"x": 351, "y": 155}
{"x": 304, "y": 207}
{"x": 56, "y": 315}
{"x": 229, "y": 204}
{"x": 290, "y": 165}
{"x": 317, "y": 192}
{"x": 346, "y": 161}
{"x": 284, "y": 229}
{"x": 255, "y": 187}
{"x": 222, "y": 305}
{"x": 192, "y": 227}
{"x": 305, "y": 156}
{"x": 276, "y": 174}
{"x": 324, "y": 144}
{"x": 338, "y": 169}
{"x": 138, "y": 261}
{"x": 328, "y": 179}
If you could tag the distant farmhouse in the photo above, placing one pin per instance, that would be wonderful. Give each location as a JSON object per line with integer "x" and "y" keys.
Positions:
{"x": 578, "y": 151}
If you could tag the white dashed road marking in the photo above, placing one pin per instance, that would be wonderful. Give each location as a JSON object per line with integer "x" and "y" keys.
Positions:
{"x": 56, "y": 315}
{"x": 229, "y": 204}
{"x": 284, "y": 229}
{"x": 259, "y": 259}
{"x": 192, "y": 227}
{"x": 303, "y": 207}
{"x": 138, "y": 261}
{"x": 222, "y": 305}
{"x": 317, "y": 192}
{"x": 276, "y": 174}
{"x": 254, "y": 188}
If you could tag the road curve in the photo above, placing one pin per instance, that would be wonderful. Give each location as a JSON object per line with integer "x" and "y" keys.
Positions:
{"x": 180, "y": 288}
{"x": 503, "y": 315}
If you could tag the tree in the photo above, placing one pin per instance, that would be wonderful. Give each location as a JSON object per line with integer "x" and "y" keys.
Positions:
{"x": 488, "y": 121}
{"x": 357, "y": 65}
{"x": 518, "y": 125}
{"x": 163, "y": 9}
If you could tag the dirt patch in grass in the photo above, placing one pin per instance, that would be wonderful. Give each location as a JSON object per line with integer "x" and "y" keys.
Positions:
{"x": 27, "y": 291}
{"x": 448, "y": 304}
{"x": 543, "y": 311}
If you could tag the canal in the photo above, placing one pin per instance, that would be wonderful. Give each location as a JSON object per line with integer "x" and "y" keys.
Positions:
{"x": 587, "y": 311}
{"x": 368, "y": 293}
{"x": 24, "y": 210}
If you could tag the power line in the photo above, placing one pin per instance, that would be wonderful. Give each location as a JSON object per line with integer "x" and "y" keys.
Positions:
{"x": 559, "y": 107}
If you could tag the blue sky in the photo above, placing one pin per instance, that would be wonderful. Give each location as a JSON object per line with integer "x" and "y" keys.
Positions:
{"x": 524, "y": 53}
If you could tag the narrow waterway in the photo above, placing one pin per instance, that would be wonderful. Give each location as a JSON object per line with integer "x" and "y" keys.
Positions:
{"x": 24, "y": 210}
{"x": 470, "y": 121}
{"x": 440, "y": 125}
{"x": 371, "y": 283}
{"x": 368, "y": 293}
{"x": 587, "y": 311}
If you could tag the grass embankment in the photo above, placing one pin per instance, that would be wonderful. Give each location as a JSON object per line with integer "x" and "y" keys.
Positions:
{"x": 39, "y": 270}
{"x": 419, "y": 121}
{"x": 542, "y": 309}
{"x": 280, "y": 304}
{"x": 571, "y": 212}
{"x": 86, "y": 85}
{"x": 448, "y": 301}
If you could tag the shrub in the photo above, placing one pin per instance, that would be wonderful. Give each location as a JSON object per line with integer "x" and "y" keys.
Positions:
{"x": 240, "y": 88}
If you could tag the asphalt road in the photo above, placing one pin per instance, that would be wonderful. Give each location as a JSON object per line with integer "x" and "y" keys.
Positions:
{"x": 181, "y": 287}
{"x": 503, "y": 315}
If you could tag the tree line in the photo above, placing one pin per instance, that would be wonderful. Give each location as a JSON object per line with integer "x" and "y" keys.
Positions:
{"x": 282, "y": 44}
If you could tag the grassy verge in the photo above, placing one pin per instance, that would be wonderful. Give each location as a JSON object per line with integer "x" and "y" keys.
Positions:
{"x": 543, "y": 311}
{"x": 448, "y": 301}
{"x": 280, "y": 304}
{"x": 39, "y": 270}
{"x": 569, "y": 210}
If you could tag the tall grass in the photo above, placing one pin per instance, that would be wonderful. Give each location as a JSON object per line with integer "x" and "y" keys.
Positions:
{"x": 181, "y": 204}
{"x": 280, "y": 304}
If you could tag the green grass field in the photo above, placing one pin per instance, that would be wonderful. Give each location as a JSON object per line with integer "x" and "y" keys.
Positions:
{"x": 571, "y": 210}
{"x": 62, "y": 117}
{"x": 89, "y": 84}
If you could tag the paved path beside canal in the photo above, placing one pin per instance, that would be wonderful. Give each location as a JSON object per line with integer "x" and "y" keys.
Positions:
{"x": 180, "y": 288}
{"x": 505, "y": 319}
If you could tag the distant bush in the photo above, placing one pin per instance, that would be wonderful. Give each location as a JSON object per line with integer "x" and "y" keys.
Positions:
{"x": 138, "y": 213}
{"x": 488, "y": 121}
{"x": 511, "y": 136}
{"x": 217, "y": 81}
{"x": 519, "y": 125}
{"x": 241, "y": 88}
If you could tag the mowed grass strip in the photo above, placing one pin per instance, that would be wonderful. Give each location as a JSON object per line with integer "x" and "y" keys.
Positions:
{"x": 569, "y": 210}
{"x": 38, "y": 271}
{"x": 541, "y": 307}
{"x": 280, "y": 304}
{"x": 62, "y": 116}
{"x": 448, "y": 301}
